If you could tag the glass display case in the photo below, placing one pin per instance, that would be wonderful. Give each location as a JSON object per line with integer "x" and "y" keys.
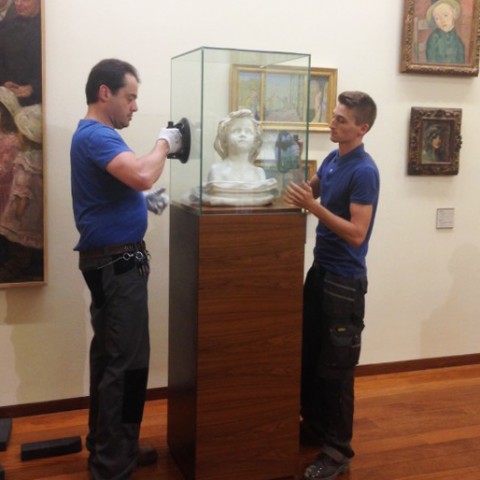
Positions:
{"x": 247, "y": 115}
{"x": 234, "y": 321}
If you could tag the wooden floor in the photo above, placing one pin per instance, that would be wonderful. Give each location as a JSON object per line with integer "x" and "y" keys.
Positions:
{"x": 411, "y": 426}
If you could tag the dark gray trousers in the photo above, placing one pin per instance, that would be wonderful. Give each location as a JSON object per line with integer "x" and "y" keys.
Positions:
{"x": 334, "y": 309}
{"x": 119, "y": 360}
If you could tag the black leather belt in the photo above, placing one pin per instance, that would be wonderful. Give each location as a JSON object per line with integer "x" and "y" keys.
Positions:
{"x": 113, "y": 250}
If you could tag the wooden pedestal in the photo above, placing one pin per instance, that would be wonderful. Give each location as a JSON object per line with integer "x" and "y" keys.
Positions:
{"x": 234, "y": 343}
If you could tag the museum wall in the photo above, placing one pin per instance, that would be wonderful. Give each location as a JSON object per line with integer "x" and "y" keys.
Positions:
{"x": 424, "y": 282}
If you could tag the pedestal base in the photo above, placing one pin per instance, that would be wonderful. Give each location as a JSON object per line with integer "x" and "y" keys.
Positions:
{"x": 235, "y": 344}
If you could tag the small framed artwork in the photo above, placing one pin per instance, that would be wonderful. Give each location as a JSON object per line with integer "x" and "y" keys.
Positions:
{"x": 435, "y": 141}
{"x": 441, "y": 37}
{"x": 282, "y": 98}
{"x": 22, "y": 220}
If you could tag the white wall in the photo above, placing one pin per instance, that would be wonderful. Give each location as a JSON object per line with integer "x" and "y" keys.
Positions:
{"x": 423, "y": 281}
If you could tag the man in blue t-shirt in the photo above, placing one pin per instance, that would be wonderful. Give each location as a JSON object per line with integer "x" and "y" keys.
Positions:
{"x": 348, "y": 184}
{"x": 110, "y": 212}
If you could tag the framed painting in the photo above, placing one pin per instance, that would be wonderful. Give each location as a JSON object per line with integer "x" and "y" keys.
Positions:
{"x": 441, "y": 37}
{"x": 323, "y": 96}
{"x": 435, "y": 141}
{"x": 22, "y": 225}
{"x": 285, "y": 98}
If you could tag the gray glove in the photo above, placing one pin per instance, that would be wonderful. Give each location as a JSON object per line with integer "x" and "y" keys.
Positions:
{"x": 157, "y": 201}
{"x": 173, "y": 138}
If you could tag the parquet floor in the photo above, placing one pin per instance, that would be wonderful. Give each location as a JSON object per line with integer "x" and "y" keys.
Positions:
{"x": 421, "y": 425}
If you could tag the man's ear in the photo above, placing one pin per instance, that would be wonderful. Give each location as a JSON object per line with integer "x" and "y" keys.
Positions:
{"x": 364, "y": 128}
{"x": 104, "y": 92}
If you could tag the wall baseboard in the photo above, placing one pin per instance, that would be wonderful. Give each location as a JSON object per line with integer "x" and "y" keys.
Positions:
{"x": 65, "y": 405}
{"x": 420, "y": 364}
{"x": 79, "y": 403}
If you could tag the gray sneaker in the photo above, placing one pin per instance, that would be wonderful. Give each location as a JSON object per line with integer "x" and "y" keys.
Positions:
{"x": 325, "y": 468}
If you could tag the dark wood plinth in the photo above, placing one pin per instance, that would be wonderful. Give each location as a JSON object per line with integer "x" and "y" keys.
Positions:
{"x": 234, "y": 343}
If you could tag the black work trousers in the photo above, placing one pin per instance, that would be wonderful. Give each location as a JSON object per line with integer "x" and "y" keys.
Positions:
{"x": 119, "y": 360}
{"x": 334, "y": 309}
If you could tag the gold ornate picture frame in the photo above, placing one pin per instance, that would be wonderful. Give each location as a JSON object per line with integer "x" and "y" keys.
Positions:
{"x": 441, "y": 37}
{"x": 282, "y": 98}
{"x": 435, "y": 141}
{"x": 323, "y": 97}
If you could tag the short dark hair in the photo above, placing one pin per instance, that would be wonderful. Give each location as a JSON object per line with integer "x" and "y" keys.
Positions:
{"x": 110, "y": 72}
{"x": 362, "y": 105}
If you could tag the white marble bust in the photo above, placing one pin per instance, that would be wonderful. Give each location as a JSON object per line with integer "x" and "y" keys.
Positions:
{"x": 236, "y": 180}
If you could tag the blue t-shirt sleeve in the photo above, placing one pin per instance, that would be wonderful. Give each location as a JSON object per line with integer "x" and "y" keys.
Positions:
{"x": 104, "y": 145}
{"x": 365, "y": 186}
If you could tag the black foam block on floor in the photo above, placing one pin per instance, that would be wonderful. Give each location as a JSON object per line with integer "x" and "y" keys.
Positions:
{"x": 2, "y": 473}
{"x": 5, "y": 430}
{"x": 50, "y": 448}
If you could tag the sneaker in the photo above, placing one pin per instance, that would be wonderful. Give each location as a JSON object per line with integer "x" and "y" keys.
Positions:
{"x": 325, "y": 468}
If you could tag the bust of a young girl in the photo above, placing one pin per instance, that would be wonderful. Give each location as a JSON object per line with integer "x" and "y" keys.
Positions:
{"x": 236, "y": 180}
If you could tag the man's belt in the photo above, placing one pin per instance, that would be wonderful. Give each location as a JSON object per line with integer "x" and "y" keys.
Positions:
{"x": 113, "y": 250}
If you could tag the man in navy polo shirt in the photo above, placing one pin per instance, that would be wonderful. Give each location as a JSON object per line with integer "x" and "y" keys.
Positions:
{"x": 347, "y": 183}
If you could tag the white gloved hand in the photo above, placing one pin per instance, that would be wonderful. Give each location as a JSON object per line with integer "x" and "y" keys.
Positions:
{"x": 173, "y": 138}
{"x": 157, "y": 201}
